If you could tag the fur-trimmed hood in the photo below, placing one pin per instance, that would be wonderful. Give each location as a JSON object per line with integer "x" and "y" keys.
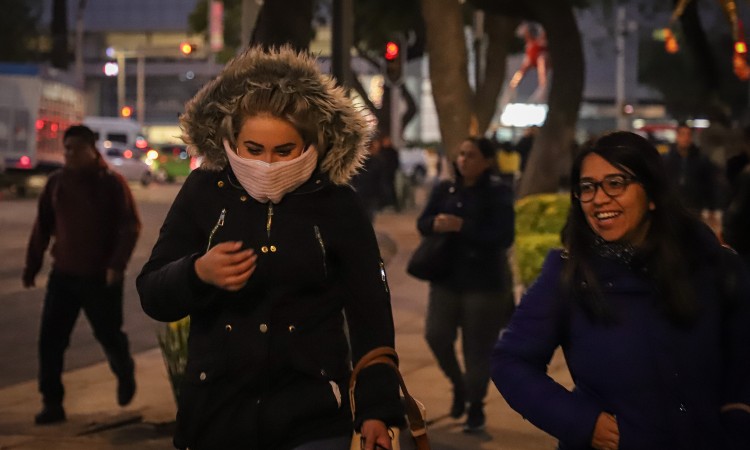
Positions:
{"x": 343, "y": 129}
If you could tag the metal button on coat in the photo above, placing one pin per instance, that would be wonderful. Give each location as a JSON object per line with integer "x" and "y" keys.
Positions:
{"x": 202, "y": 376}
{"x": 243, "y": 198}
{"x": 228, "y": 327}
{"x": 264, "y": 249}
{"x": 291, "y": 328}
{"x": 273, "y": 249}
{"x": 263, "y": 328}
{"x": 220, "y": 184}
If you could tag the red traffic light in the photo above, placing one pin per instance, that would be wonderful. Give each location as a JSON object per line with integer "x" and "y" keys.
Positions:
{"x": 391, "y": 51}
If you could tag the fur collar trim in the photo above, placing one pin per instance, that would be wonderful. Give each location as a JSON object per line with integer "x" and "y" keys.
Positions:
{"x": 343, "y": 131}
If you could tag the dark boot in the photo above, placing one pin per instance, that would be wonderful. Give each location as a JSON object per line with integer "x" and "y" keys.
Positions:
{"x": 50, "y": 413}
{"x": 459, "y": 401}
{"x": 475, "y": 418}
{"x": 126, "y": 385}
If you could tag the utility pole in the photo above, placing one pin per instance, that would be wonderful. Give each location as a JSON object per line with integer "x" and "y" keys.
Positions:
{"x": 140, "y": 88}
{"x": 620, "y": 30}
{"x": 79, "y": 43}
{"x": 342, "y": 42}
{"x": 478, "y": 48}
{"x": 624, "y": 72}
{"x": 120, "y": 80}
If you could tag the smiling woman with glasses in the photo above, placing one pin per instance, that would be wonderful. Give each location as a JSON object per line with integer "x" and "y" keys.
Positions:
{"x": 650, "y": 311}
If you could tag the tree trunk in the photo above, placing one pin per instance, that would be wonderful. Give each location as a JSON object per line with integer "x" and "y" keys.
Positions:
{"x": 446, "y": 46}
{"x": 60, "y": 57}
{"x": 500, "y": 31}
{"x": 411, "y": 107}
{"x": 552, "y": 144}
{"x": 554, "y": 141}
{"x": 698, "y": 45}
{"x": 284, "y": 22}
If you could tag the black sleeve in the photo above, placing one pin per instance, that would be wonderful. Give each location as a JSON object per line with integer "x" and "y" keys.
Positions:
{"x": 433, "y": 207}
{"x": 368, "y": 312}
{"x": 168, "y": 286}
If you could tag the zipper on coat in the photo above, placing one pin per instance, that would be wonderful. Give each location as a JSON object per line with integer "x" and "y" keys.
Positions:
{"x": 383, "y": 277}
{"x": 269, "y": 220}
{"x": 219, "y": 224}
{"x": 322, "y": 248}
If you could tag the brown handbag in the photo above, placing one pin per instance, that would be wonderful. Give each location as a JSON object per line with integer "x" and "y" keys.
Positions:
{"x": 415, "y": 410}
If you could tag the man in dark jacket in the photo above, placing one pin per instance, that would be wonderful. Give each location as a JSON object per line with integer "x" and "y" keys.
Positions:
{"x": 694, "y": 176}
{"x": 91, "y": 214}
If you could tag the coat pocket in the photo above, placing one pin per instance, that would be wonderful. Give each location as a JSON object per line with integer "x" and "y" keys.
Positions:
{"x": 296, "y": 404}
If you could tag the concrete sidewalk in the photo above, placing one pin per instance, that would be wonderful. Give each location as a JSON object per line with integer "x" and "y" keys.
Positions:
{"x": 96, "y": 422}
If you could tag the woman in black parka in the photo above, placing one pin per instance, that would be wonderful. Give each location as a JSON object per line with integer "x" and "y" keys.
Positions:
{"x": 268, "y": 250}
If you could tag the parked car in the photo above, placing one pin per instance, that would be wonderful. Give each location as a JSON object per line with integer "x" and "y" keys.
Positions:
{"x": 172, "y": 163}
{"x": 125, "y": 162}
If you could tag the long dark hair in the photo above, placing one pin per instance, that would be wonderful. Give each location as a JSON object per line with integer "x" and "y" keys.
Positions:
{"x": 670, "y": 251}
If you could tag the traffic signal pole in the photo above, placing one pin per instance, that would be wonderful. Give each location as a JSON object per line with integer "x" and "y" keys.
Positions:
{"x": 140, "y": 89}
{"x": 395, "y": 58}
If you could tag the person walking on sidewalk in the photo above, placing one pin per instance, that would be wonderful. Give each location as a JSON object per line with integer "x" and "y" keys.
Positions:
{"x": 651, "y": 313}
{"x": 90, "y": 212}
{"x": 267, "y": 249}
{"x": 695, "y": 177}
{"x": 476, "y": 209}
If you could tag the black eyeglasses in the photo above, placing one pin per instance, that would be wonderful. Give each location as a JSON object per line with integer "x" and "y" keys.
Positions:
{"x": 612, "y": 185}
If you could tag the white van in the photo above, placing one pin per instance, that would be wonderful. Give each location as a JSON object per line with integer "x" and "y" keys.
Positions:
{"x": 116, "y": 130}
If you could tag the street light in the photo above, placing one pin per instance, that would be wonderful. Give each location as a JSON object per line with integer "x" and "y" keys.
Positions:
{"x": 111, "y": 69}
{"x": 185, "y": 48}
{"x": 126, "y": 111}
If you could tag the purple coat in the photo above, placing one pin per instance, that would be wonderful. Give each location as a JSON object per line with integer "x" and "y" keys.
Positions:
{"x": 665, "y": 385}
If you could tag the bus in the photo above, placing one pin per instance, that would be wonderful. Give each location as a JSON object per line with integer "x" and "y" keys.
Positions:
{"x": 37, "y": 104}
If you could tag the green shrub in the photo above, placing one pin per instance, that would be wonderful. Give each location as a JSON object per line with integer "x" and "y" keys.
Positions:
{"x": 174, "y": 348}
{"x": 531, "y": 250}
{"x": 539, "y": 220}
{"x": 541, "y": 213}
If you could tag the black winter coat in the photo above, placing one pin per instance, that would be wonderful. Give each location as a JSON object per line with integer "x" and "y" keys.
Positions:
{"x": 265, "y": 363}
{"x": 695, "y": 178}
{"x": 478, "y": 251}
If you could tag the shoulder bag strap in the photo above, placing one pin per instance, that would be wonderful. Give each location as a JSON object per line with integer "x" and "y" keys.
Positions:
{"x": 387, "y": 356}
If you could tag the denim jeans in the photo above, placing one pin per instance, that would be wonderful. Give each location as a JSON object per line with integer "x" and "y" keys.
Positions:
{"x": 66, "y": 296}
{"x": 480, "y": 315}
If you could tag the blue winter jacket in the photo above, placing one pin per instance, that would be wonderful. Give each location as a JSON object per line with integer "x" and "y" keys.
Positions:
{"x": 664, "y": 384}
